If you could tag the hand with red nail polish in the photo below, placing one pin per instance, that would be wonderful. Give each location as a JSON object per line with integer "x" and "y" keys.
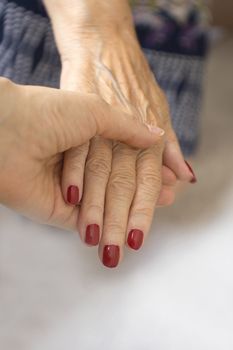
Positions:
{"x": 45, "y": 134}
{"x": 115, "y": 180}
{"x": 37, "y": 125}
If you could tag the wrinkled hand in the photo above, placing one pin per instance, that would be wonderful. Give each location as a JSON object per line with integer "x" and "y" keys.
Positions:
{"x": 121, "y": 186}
{"x": 36, "y": 126}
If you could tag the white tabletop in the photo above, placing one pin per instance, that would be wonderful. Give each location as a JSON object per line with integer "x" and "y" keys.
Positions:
{"x": 174, "y": 294}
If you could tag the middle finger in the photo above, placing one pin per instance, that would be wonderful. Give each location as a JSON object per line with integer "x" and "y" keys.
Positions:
{"x": 119, "y": 196}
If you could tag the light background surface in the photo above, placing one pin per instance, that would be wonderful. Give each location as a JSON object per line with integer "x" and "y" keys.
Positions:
{"x": 175, "y": 294}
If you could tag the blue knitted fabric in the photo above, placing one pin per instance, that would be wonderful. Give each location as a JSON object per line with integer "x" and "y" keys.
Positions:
{"x": 28, "y": 55}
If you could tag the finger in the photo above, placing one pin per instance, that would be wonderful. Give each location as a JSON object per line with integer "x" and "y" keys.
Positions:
{"x": 69, "y": 119}
{"x": 65, "y": 218}
{"x": 149, "y": 164}
{"x": 97, "y": 170}
{"x": 166, "y": 196}
{"x": 168, "y": 177}
{"x": 119, "y": 196}
{"x": 73, "y": 173}
{"x": 173, "y": 158}
{"x": 170, "y": 188}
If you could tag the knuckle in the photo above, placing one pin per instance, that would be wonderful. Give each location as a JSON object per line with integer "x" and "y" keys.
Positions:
{"x": 124, "y": 150}
{"x": 150, "y": 178}
{"x": 145, "y": 212}
{"x": 115, "y": 229}
{"x": 74, "y": 158}
{"x": 77, "y": 152}
{"x": 150, "y": 194}
{"x": 123, "y": 176}
{"x": 122, "y": 183}
{"x": 151, "y": 156}
{"x": 100, "y": 144}
{"x": 81, "y": 149}
{"x": 93, "y": 208}
{"x": 150, "y": 187}
{"x": 74, "y": 166}
{"x": 98, "y": 166}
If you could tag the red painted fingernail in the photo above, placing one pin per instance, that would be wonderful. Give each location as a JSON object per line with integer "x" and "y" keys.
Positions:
{"x": 194, "y": 179}
{"x": 111, "y": 255}
{"x": 135, "y": 239}
{"x": 73, "y": 195}
{"x": 92, "y": 234}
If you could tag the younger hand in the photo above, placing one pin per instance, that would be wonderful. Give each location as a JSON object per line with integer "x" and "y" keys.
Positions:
{"x": 36, "y": 126}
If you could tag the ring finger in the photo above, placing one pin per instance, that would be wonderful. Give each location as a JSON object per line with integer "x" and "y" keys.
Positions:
{"x": 149, "y": 166}
{"x": 97, "y": 170}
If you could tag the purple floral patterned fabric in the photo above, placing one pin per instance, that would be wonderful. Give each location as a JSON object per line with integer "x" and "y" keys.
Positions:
{"x": 172, "y": 26}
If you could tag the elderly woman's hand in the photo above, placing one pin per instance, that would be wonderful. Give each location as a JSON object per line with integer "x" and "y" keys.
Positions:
{"x": 36, "y": 126}
{"x": 100, "y": 54}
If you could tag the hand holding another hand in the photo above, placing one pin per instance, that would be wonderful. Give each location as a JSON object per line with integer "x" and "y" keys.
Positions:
{"x": 36, "y": 126}
{"x": 118, "y": 187}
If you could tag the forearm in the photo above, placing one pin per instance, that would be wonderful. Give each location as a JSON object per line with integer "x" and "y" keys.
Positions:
{"x": 90, "y": 12}
{"x": 82, "y": 24}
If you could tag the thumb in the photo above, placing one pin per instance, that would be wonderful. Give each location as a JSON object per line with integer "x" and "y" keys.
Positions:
{"x": 173, "y": 158}
{"x": 114, "y": 123}
{"x": 76, "y": 118}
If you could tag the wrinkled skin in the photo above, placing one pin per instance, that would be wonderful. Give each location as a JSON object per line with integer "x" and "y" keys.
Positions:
{"x": 36, "y": 126}
{"x": 119, "y": 186}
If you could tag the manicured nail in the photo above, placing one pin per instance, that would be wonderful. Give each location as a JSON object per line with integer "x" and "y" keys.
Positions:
{"x": 135, "y": 239}
{"x": 155, "y": 130}
{"x": 92, "y": 234}
{"x": 111, "y": 255}
{"x": 73, "y": 195}
{"x": 194, "y": 179}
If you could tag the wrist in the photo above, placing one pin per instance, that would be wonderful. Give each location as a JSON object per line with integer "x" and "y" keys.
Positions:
{"x": 88, "y": 22}
{"x": 89, "y": 12}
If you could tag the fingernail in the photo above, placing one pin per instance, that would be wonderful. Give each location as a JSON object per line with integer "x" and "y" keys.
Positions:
{"x": 92, "y": 234}
{"x": 111, "y": 255}
{"x": 73, "y": 195}
{"x": 194, "y": 179}
{"x": 155, "y": 130}
{"x": 135, "y": 239}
